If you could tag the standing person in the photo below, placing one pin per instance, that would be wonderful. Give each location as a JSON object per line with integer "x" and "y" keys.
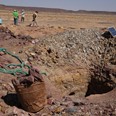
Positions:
{"x": 22, "y": 16}
{"x": 34, "y": 16}
{"x": 0, "y": 21}
{"x": 15, "y": 16}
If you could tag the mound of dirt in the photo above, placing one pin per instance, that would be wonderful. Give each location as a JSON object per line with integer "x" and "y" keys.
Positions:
{"x": 78, "y": 63}
{"x": 83, "y": 54}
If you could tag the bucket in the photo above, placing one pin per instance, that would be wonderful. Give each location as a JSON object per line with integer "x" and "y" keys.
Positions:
{"x": 32, "y": 98}
{"x": 0, "y": 21}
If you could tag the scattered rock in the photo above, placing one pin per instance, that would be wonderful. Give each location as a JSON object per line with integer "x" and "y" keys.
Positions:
{"x": 78, "y": 62}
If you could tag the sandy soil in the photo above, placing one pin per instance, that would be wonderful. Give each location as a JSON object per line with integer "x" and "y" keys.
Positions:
{"x": 52, "y": 23}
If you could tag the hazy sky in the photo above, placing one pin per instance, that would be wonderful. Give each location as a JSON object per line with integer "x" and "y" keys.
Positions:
{"x": 98, "y": 5}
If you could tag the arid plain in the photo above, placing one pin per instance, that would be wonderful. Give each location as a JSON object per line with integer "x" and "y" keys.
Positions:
{"x": 68, "y": 46}
{"x": 53, "y": 22}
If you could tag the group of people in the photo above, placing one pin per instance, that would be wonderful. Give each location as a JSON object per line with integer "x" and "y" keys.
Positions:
{"x": 16, "y": 17}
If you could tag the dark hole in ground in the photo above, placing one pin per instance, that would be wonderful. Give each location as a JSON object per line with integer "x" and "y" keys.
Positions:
{"x": 12, "y": 100}
{"x": 96, "y": 87}
{"x": 101, "y": 82}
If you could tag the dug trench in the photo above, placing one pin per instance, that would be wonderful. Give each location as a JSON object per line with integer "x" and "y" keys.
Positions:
{"x": 78, "y": 63}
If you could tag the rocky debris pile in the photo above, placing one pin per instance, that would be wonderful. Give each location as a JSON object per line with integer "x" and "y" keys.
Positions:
{"x": 84, "y": 50}
{"x": 72, "y": 47}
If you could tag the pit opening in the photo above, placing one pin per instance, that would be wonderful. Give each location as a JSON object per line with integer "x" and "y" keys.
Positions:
{"x": 101, "y": 81}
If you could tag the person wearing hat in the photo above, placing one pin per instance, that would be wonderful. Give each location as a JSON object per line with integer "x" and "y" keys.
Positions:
{"x": 15, "y": 16}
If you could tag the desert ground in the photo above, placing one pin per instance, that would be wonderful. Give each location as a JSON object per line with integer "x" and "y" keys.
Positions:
{"x": 51, "y": 22}
{"x": 78, "y": 61}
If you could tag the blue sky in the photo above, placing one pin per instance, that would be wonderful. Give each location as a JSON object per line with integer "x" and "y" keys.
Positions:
{"x": 96, "y": 5}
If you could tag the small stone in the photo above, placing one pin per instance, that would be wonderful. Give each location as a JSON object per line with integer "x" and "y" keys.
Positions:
{"x": 70, "y": 109}
{"x": 58, "y": 109}
{"x": 33, "y": 42}
{"x": 50, "y": 101}
{"x": 32, "y": 54}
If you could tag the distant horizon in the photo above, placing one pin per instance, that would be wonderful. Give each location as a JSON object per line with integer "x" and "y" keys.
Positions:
{"x": 74, "y": 5}
{"x": 55, "y": 8}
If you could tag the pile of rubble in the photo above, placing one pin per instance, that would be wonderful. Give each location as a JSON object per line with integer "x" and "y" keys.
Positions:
{"x": 87, "y": 61}
{"x": 86, "y": 49}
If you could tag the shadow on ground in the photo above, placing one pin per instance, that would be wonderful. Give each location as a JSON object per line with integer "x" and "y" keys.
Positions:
{"x": 12, "y": 100}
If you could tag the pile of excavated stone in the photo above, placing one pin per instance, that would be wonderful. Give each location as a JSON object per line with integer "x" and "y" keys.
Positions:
{"x": 72, "y": 47}
{"x": 86, "y": 49}
{"x": 78, "y": 62}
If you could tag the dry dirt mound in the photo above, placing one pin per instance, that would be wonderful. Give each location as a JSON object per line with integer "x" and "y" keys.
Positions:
{"x": 85, "y": 49}
{"x": 79, "y": 63}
